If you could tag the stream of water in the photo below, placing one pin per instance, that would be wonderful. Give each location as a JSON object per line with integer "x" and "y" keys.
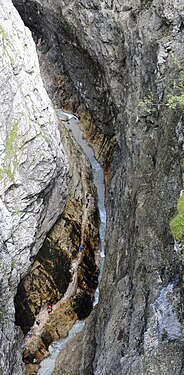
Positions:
{"x": 47, "y": 365}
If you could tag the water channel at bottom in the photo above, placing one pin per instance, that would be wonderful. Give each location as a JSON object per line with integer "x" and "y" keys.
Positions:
{"x": 47, "y": 365}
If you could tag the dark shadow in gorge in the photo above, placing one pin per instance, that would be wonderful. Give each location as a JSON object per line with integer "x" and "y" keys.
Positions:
{"x": 50, "y": 273}
{"x": 85, "y": 74}
{"x": 46, "y": 282}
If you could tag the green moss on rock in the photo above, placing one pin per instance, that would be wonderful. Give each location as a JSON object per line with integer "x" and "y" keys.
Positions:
{"x": 11, "y": 161}
{"x": 177, "y": 224}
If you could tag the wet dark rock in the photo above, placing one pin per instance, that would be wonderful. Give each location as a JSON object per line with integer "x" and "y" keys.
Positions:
{"x": 83, "y": 304}
{"x": 47, "y": 282}
{"x": 46, "y": 338}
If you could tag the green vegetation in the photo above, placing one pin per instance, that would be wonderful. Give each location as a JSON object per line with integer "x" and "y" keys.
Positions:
{"x": 13, "y": 263}
{"x": 11, "y": 161}
{"x": 2, "y": 312}
{"x": 46, "y": 137}
{"x": 148, "y": 103}
{"x": 1, "y": 173}
{"x": 11, "y": 139}
{"x": 173, "y": 101}
{"x": 177, "y": 100}
{"x": 2, "y": 266}
{"x": 3, "y": 33}
{"x": 11, "y": 153}
{"x": 6, "y": 44}
{"x": 177, "y": 224}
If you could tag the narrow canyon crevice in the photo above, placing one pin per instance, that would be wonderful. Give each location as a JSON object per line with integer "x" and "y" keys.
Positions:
{"x": 62, "y": 244}
{"x": 85, "y": 75}
{"x": 59, "y": 271}
{"x": 74, "y": 77}
{"x": 101, "y": 60}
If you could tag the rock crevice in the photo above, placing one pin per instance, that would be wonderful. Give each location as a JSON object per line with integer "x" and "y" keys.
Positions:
{"x": 129, "y": 52}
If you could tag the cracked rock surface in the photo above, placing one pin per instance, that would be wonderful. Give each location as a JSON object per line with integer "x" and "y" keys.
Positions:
{"x": 33, "y": 171}
{"x": 115, "y": 53}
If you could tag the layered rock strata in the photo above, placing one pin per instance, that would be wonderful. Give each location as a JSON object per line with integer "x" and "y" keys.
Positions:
{"x": 115, "y": 53}
{"x": 33, "y": 172}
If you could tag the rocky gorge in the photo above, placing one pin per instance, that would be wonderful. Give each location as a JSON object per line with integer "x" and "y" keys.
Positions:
{"x": 119, "y": 64}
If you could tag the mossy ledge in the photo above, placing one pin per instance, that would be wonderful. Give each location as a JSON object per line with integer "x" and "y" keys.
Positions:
{"x": 177, "y": 223}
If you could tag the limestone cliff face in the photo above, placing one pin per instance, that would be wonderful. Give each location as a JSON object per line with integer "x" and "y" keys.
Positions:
{"x": 115, "y": 53}
{"x": 33, "y": 172}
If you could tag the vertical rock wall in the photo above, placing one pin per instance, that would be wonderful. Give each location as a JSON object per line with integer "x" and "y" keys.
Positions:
{"x": 33, "y": 172}
{"x": 115, "y": 53}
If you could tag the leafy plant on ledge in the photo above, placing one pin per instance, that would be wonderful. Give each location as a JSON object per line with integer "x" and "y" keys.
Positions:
{"x": 173, "y": 101}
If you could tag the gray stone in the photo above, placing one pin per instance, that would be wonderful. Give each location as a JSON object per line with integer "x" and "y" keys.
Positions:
{"x": 115, "y": 53}
{"x": 33, "y": 172}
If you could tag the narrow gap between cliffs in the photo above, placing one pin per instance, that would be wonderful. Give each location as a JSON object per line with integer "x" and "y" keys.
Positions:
{"x": 47, "y": 365}
{"x": 62, "y": 275}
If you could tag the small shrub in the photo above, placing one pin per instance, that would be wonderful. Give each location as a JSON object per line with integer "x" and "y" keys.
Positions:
{"x": 173, "y": 101}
